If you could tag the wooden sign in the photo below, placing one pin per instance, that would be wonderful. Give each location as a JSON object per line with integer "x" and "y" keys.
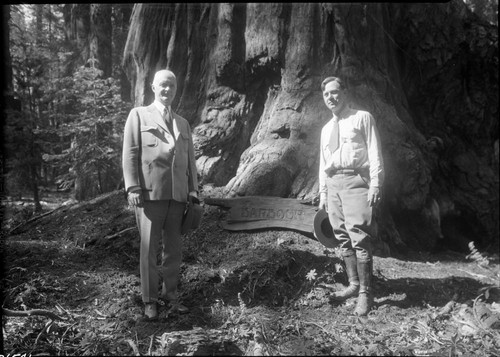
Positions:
{"x": 257, "y": 212}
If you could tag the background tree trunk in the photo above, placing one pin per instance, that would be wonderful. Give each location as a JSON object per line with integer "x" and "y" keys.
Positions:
{"x": 6, "y": 74}
{"x": 249, "y": 77}
{"x": 6, "y": 83}
{"x": 100, "y": 37}
{"x": 121, "y": 13}
{"x": 39, "y": 9}
{"x": 80, "y": 31}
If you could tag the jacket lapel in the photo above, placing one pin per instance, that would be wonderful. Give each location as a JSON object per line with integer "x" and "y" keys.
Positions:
{"x": 177, "y": 129}
{"x": 156, "y": 116}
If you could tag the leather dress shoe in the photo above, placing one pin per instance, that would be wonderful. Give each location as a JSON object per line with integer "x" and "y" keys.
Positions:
{"x": 151, "y": 311}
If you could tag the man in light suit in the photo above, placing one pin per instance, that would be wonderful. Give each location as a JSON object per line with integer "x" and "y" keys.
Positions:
{"x": 159, "y": 170}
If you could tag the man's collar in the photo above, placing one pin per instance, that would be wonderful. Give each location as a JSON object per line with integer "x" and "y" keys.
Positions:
{"x": 343, "y": 113}
{"x": 160, "y": 106}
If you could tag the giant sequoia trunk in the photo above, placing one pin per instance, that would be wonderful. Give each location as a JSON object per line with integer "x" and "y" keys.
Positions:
{"x": 249, "y": 77}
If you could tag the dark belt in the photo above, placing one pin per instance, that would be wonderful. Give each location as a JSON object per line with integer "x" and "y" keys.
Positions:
{"x": 333, "y": 172}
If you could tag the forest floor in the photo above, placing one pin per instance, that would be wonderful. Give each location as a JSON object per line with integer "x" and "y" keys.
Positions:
{"x": 76, "y": 270}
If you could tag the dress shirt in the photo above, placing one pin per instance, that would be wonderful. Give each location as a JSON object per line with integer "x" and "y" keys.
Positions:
{"x": 359, "y": 147}
{"x": 161, "y": 108}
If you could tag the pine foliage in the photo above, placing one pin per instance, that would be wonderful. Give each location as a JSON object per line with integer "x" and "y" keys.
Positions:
{"x": 65, "y": 127}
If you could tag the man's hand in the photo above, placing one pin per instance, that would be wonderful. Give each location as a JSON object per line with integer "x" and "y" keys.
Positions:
{"x": 135, "y": 198}
{"x": 373, "y": 196}
{"x": 193, "y": 199}
{"x": 322, "y": 202}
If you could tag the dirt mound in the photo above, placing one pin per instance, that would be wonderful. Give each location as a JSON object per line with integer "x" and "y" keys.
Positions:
{"x": 259, "y": 292}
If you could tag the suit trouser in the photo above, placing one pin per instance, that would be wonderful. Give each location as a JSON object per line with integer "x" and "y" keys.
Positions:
{"x": 350, "y": 214}
{"x": 159, "y": 222}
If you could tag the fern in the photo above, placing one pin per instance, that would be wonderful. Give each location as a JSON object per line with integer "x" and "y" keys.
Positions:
{"x": 477, "y": 256}
{"x": 243, "y": 306}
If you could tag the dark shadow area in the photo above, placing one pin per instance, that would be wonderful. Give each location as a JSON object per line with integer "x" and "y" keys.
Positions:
{"x": 409, "y": 292}
{"x": 37, "y": 271}
{"x": 461, "y": 229}
{"x": 271, "y": 283}
{"x": 442, "y": 255}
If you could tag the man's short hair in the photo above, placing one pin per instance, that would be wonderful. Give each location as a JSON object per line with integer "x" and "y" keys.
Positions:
{"x": 164, "y": 71}
{"x": 333, "y": 79}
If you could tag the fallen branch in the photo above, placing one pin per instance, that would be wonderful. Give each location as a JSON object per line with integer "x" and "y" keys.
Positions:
{"x": 480, "y": 276}
{"x": 317, "y": 325}
{"x": 32, "y": 219}
{"x": 112, "y": 236}
{"x": 134, "y": 347}
{"x": 39, "y": 312}
{"x": 119, "y": 233}
{"x": 68, "y": 207}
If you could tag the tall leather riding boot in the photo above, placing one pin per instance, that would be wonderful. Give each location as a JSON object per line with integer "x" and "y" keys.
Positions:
{"x": 365, "y": 296}
{"x": 352, "y": 275}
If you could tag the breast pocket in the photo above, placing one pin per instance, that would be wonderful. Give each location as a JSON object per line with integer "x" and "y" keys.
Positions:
{"x": 149, "y": 136}
{"x": 184, "y": 136}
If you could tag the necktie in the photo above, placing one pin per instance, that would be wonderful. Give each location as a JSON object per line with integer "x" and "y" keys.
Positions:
{"x": 334, "y": 138}
{"x": 168, "y": 120}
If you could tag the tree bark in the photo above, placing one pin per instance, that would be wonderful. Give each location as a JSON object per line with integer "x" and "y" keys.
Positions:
{"x": 80, "y": 32}
{"x": 39, "y": 22}
{"x": 121, "y": 14}
{"x": 100, "y": 37}
{"x": 5, "y": 82}
{"x": 249, "y": 83}
{"x": 34, "y": 187}
{"x": 6, "y": 73}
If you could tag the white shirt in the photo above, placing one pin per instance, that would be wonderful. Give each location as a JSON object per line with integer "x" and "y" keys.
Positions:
{"x": 359, "y": 147}
{"x": 161, "y": 108}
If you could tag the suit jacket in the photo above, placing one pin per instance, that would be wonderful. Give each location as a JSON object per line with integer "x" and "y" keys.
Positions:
{"x": 161, "y": 164}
